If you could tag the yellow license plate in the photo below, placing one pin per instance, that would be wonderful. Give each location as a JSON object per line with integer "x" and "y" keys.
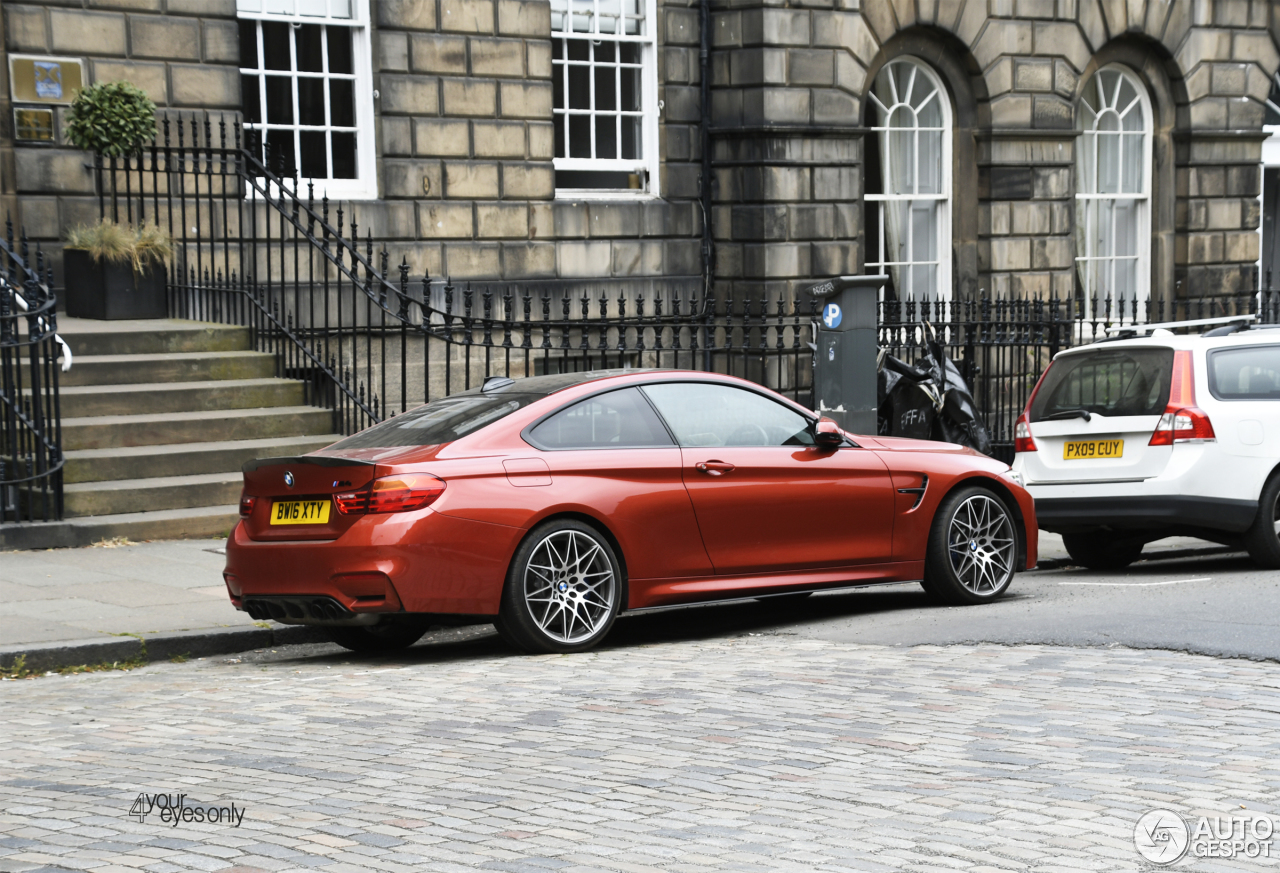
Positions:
{"x": 1091, "y": 449}
{"x": 300, "y": 512}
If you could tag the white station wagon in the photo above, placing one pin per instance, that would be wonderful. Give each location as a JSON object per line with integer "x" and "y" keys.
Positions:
{"x": 1130, "y": 440}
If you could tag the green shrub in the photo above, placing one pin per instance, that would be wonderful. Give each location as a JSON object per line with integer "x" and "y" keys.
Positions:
{"x": 112, "y": 119}
{"x": 118, "y": 244}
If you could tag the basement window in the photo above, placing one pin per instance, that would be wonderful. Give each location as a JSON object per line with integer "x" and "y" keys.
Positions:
{"x": 604, "y": 74}
{"x": 306, "y": 90}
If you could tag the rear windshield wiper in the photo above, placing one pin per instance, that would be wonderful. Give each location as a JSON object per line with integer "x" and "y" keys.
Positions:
{"x": 1069, "y": 413}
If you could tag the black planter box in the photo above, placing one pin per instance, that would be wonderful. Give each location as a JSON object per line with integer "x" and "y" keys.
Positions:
{"x": 97, "y": 289}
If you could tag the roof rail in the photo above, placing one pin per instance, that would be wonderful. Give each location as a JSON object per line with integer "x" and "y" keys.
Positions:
{"x": 1138, "y": 329}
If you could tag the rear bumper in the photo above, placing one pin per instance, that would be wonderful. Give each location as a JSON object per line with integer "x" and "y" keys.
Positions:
{"x": 1069, "y": 514}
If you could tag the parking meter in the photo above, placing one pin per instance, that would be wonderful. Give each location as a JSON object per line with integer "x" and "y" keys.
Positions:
{"x": 844, "y": 357}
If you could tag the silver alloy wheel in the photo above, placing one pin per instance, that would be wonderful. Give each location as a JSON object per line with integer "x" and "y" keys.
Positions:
{"x": 569, "y": 586}
{"x": 981, "y": 544}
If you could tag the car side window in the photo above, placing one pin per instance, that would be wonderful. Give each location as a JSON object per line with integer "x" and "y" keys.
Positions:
{"x": 705, "y": 415}
{"x": 1248, "y": 373}
{"x": 618, "y": 419}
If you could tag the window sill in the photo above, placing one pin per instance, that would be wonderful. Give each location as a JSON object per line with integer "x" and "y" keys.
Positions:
{"x": 570, "y": 194}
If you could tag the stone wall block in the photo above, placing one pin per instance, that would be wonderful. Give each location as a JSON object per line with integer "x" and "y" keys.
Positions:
{"x": 469, "y": 97}
{"x": 1256, "y": 47}
{"x": 1051, "y": 253}
{"x": 682, "y": 104}
{"x": 1063, "y": 39}
{"x": 167, "y": 37}
{"x": 412, "y": 179}
{"x": 584, "y": 259}
{"x": 837, "y": 183}
{"x": 404, "y": 14}
{"x": 1033, "y": 74}
{"x": 221, "y": 41}
{"x": 410, "y": 95}
{"x": 528, "y": 181}
{"x": 1010, "y": 254}
{"x": 438, "y": 53}
{"x": 847, "y": 31}
{"x": 472, "y": 260}
{"x": 206, "y": 86}
{"x": 524, "y": 17}
{"x": 499, "y": 139}
{"x": 150, "y": 77}
{"x": 1011, "y": 110}
{"x": 538, "y": 59}
{"x": 726, "y": 29}
{"x": 1030, "y": 218}
{"x": 470, "y": 180}
{"x": 48, "y": 171}
{"x": 775, "y": 106}
{"x": 817, "y": 221}
{"x": 542, "y": 141}
{"x": 24, "y": 28}
{"x": 1204, "y": 248}
{"x": 833, "y": 258}
{"x": 445, "y": 221}
{"x": 834, "y": 107}
{"x": 1242, "y": 247}
{"x": 397, "y": 135}
{"x": 758, "y": 223}
{"x": 777, "y": 260}
{"x": 775, "y": 27}
{"x": 1224, "y": 214}
{"x": 1003, "y": 37}
{"x": 497, "y": 57}
{"x": 87, "y": 33}
{"x": 442, "y": 137}
{"x": 1051, "y": 182}
{"x": 757, "y": 66}
{"x": 502, "y": 220}
{"x": 681, "y": 26}
{"x": 467, "y": 16}
{"x": 526, "y": 100}
{"x": 393, "y": 52}
{"x": 614, "y": 219}
{"x": 528, "y": 260}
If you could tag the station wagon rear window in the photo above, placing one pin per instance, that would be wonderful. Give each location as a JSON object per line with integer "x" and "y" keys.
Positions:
{"x": 1110, "y": 382}
{"x": 1249, "y": 373}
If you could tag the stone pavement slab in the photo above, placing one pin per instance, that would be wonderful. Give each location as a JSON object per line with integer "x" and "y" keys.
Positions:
{"x": 760, "y": 753}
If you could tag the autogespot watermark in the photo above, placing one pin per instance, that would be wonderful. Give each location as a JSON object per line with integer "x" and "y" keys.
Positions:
{"x": 1164, "y": 837}
{"x": 174, "y": 808}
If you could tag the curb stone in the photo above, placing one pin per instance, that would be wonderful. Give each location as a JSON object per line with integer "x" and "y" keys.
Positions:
{"x": 159, "y": 646}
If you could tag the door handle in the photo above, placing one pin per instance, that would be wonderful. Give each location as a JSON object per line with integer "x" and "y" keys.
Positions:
{"x": 714, "y": 468}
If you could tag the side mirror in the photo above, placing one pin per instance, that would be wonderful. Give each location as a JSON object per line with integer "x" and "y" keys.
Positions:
{"x": 827, "y": 434}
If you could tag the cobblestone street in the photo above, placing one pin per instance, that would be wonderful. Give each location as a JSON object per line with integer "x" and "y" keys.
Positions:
{"x": 755, "y": 752}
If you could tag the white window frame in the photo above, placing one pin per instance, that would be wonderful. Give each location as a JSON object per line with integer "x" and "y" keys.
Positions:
{"x": 365, "y": 185}
{"x": 1270, "y": 158}
{"x": 1086, "y": 190}
{"x": 943, "y": 246}
{"x": 647, "y": 165}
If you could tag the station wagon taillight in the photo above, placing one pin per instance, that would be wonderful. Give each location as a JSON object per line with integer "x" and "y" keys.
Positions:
{"x": 1182, "y": 419}
{"x": 403, "y": 493}
{"x": 1022, "y": 440}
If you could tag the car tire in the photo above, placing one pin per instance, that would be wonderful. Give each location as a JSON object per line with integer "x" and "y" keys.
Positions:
{"x": 386, "y": 636}
{"x": 1102, "y": 550}
{"x": 564, "y": 589}
{"x": 973, "y": 548}
{"x": 1263, "y": 537}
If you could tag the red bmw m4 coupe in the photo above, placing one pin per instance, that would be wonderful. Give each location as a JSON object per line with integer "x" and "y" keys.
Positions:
{"x": 549, "y": 505}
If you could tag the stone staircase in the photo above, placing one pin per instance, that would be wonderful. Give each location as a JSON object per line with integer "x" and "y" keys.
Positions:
{"x": 157, "y": 419}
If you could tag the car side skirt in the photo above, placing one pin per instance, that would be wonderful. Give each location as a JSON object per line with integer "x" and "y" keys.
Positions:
{"x": 669, "y": 592}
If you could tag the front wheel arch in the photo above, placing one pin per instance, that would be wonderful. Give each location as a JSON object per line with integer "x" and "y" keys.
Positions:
{"x": 996, "y": 487}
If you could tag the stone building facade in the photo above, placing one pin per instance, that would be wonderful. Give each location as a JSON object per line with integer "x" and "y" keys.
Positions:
{"x": 1017, "y": 147}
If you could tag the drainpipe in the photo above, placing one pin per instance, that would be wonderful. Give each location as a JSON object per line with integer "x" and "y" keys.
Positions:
{"x": 704, "y": 133}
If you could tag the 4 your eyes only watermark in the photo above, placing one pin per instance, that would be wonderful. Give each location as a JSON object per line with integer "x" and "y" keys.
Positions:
{"x": 174, "y": 808}
{"x": 1163, "y": 837}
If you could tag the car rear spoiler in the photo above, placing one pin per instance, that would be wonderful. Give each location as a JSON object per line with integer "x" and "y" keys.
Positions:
{"x": 314, "y": 460}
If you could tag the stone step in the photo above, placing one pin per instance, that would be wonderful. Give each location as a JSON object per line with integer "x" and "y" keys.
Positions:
{"x": 150, "y": 337}
{"x": 144, "y": 462}
{"x": 169, "y": 524}
{"x": 80, "y": 401}
{"x": 168, "y": 428}
{"x": 169, "y": 367}
{"x": 149, "y": 495}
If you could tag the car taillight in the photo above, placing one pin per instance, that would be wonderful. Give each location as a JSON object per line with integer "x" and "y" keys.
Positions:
{"x": 403, "y": 493}
{"x": 1022, "y": 441}
{"x": 246, "y": 506}
{"x": 1182, "y": 419}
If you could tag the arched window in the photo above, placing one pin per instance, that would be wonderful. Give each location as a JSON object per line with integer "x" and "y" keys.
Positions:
{"x": 1113, "y": 191}
{"x": 909, "y": 181}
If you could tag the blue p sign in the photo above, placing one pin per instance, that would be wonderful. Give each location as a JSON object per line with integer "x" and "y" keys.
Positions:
{"x": 831, "y": 316}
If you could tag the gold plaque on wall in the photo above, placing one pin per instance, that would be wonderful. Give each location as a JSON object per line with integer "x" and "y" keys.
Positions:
{"x": 34, "y": 79}
{"x": 33, "y": 123}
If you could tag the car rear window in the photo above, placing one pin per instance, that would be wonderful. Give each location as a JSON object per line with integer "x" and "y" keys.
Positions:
{"x": 1249, "y": 373}
{"x": 440, "y": 421}
{"x": 1107, "y": 382}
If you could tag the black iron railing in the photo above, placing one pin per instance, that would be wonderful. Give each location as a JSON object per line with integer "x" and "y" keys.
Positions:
{"x": 30, "y": 417}
{"x": 359, "y": 321}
